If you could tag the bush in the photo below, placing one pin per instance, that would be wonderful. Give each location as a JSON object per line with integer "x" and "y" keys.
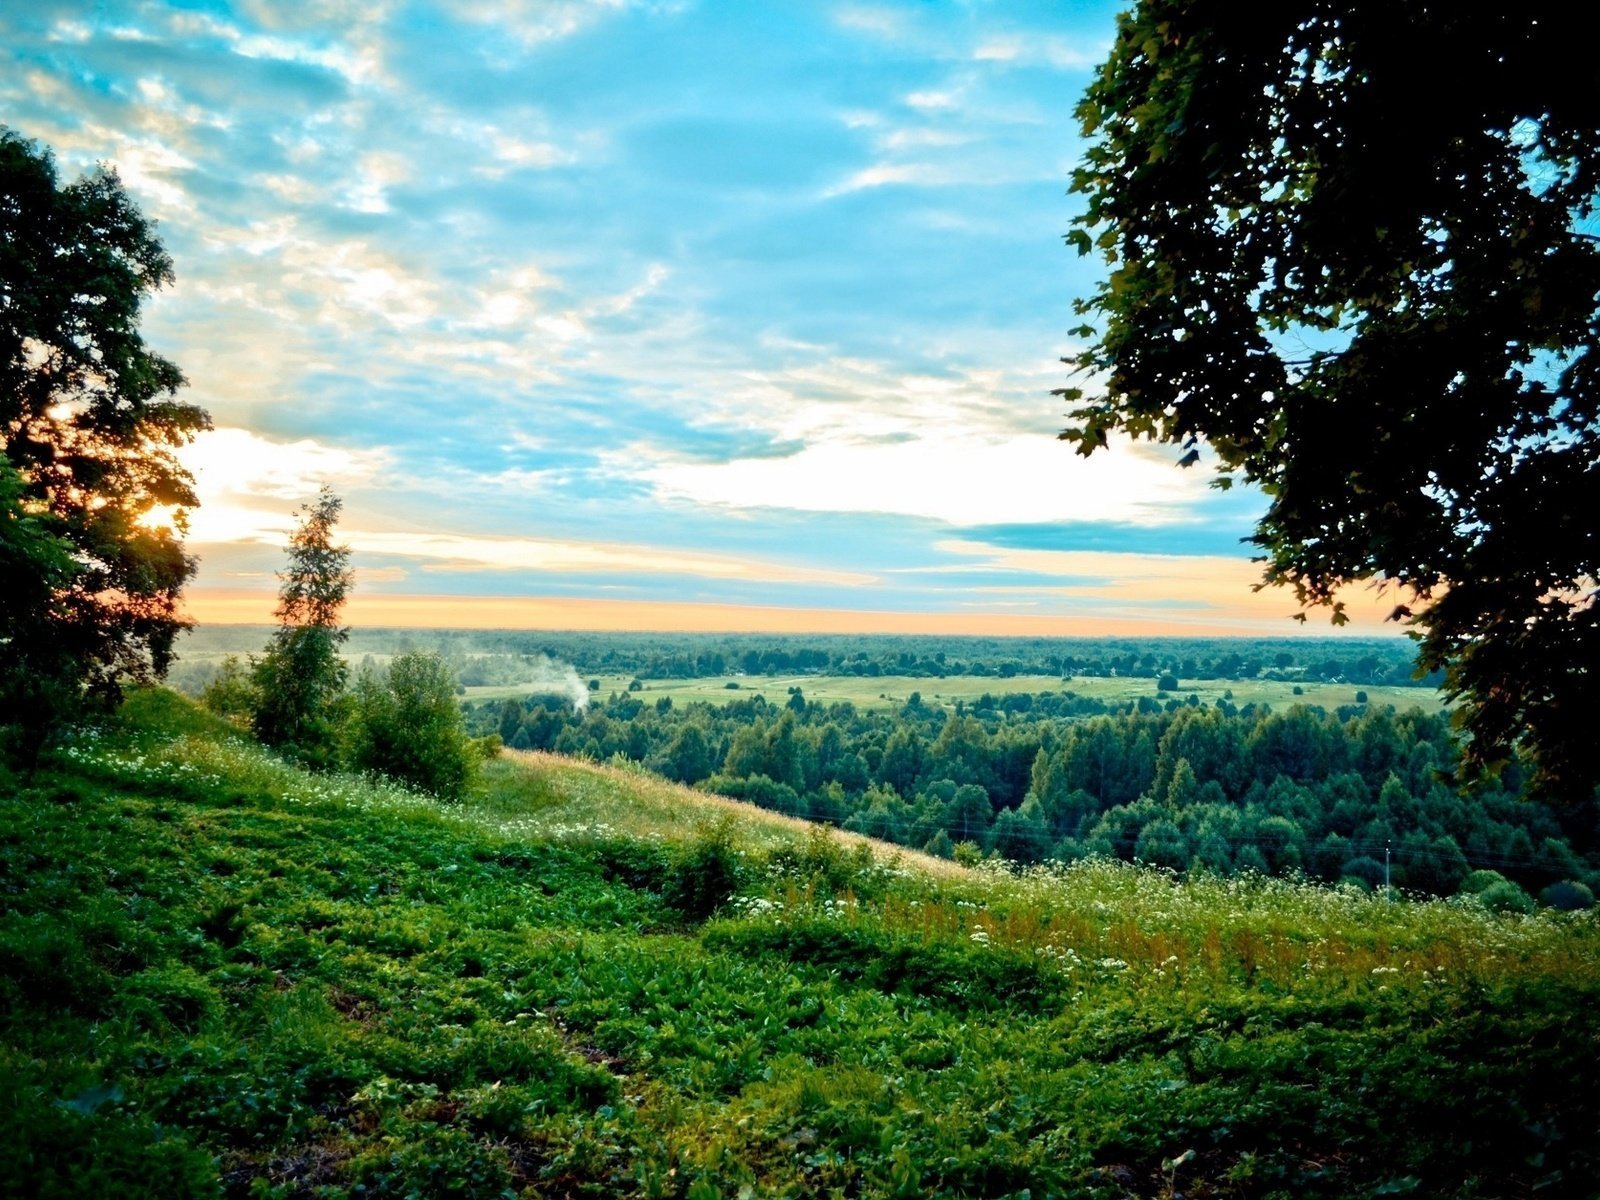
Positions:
{"x": 407, "y": 725}
{"x": 1479, "y": 881}
{"x": 444, "y": 1163}
{"x": 1505, "y": 897}
{"x": 827, "y": 865}
{"x": 707, "y": 874}
{"x": 1569, "y": 895}
{"x": 968, "y": 854}
{"x": 231, "y": 692}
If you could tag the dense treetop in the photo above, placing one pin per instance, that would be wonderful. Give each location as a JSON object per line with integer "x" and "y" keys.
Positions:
{"x": 1351, "y": 250}
{"x": 1057, "y": 775}
{"x": 88, "y": 422}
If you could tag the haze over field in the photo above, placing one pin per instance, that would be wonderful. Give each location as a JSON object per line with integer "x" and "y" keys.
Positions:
{"x": 638, "y": 315}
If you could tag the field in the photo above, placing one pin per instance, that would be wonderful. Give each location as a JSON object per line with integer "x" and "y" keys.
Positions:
{"x": 892, "y": 691}
{"x": 225, "y": 977}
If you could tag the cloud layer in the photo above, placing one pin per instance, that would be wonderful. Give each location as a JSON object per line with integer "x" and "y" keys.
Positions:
{"x": 676, "y": 303}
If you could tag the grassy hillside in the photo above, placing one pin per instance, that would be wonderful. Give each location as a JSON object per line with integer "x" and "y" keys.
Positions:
{"x": 220, "y": 976}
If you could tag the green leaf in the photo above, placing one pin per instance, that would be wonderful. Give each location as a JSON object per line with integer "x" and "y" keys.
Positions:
{"x": 87, "y": 1103}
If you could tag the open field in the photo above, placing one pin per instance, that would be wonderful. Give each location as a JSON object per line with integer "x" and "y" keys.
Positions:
{"x": 890, "y": 691}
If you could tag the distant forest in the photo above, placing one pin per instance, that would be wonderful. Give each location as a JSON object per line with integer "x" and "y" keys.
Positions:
{"x": 490, "y": 657}
{"x": 1223, "y": 789}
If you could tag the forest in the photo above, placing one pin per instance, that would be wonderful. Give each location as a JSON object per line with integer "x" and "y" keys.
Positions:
{"x": 1164, "y": 780}
{"x": 507, "y": 657}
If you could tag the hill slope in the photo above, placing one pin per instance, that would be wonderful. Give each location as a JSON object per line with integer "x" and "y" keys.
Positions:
{"x": 220, "y": 976}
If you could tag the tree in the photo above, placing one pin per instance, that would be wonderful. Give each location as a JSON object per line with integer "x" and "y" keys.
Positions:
{"x": 407, "y": 724}
{"x": 88, "y": 423}
{"x": 300, "y": 678}
{"x": 36, "y": 569}
{"x": 1348, "y": 252}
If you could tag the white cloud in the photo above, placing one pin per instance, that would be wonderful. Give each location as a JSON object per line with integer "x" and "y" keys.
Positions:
{"x": 147, "y": 167}
{"x": 248, "y": 484}
{"x": 532, "y": 22}
{"x": 1039, "y": 49}
{"x": 961, "y": 480}
{"x": 472, "y": 552}
{"x": 376, "y": 173}
{"x": 921, "y": 174}
{"x": 249, "y": 487}
{"x": 884, "y": 23}
{"x": 356, "y": 55}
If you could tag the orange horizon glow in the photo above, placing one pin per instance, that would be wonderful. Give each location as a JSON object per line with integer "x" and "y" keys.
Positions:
{"x": 221, "y": 606}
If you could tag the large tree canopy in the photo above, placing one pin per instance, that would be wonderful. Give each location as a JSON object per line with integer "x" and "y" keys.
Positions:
{"x": 1351, "y": 250}
{"x": 88, "y": 422}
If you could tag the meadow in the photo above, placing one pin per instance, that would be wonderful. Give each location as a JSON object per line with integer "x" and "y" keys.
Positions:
{"x": 223, "y": 976}
{"x": 892, "y": 691}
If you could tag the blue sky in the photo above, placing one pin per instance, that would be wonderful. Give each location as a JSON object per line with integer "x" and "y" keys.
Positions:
{"x": 735, "y": 304}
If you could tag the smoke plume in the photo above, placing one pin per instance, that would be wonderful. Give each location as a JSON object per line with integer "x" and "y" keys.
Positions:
{"x": 550, "y": 677}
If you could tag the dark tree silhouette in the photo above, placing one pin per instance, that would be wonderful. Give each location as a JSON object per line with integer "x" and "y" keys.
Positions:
{"x": 1351, "y": 250}
{"x": 88, "y": 424}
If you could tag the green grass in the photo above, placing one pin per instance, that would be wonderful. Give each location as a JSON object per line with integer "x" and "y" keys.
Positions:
{"x": 892, "y": 691}
{"x": 222, "y": 976}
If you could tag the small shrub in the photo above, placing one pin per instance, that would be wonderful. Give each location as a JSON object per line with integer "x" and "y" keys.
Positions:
{"x": 968, "y": 854}
{"x": 1366, "y": 871}
{"x": 644, "y": 866}
{"x": 707, "y": 874}
{"x": 823, "y": 861}
{"x": 231, "y": 692}
{"x": 180, "y": 995}
{"x": 80, "y": 1148}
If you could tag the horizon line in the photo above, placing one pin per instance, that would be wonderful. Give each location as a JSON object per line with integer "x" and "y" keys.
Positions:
{"x": 566, "y": 614}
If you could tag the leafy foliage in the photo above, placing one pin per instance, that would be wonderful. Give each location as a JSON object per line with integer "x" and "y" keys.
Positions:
{"x": 406, "y": 724}
{"x": 1347, "y": 251}
{"x": 88, "y": 422}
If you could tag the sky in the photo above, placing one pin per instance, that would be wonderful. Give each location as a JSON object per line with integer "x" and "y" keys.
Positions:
{"x": 675, "y": 315}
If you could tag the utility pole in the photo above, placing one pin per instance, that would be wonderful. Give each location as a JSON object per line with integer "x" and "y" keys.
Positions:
{"x": 1386, "y": 893}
